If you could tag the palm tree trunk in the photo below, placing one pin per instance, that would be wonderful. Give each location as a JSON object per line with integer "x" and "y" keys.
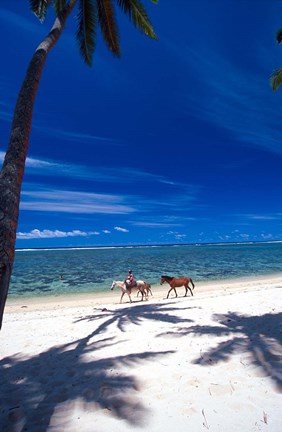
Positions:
{"x": 11, "y": 175}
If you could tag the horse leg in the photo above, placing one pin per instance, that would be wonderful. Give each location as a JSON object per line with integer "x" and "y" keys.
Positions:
{"x": 186, "y": 290}
{"x": 168, "y": 292}
{"x": 148, "y": 290}
{"x": 188, "y": 286}
{"x": 128, "y": 291}
{"x": 122, "y": 294}
{"x": 143, "y": 292}
{"x": 172, "y": 288}
{"x": 140, "y": 291}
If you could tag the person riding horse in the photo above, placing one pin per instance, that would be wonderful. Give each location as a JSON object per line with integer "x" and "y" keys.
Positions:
{"x": 130, "y": 281}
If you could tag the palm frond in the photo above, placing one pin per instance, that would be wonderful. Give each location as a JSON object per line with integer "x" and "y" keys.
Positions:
{"x": 86, "y": 30}
{"x": 279, "y": 36}
{"x": 276, "y": 79}
{"x": 107, "y": 21}
{"x": 59, "y": 5}
{"x": 39, "y": 8}
{"x": 138, "y": 14}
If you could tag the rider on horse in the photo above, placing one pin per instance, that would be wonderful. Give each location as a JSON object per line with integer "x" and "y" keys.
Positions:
{"x": 130, "y": 281}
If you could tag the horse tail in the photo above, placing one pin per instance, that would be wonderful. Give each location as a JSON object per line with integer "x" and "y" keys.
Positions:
{"x": 193, "y": 285}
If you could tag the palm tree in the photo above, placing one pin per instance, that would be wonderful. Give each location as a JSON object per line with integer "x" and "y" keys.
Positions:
{"x": 276, "y": 77}
{"x": 91, "y": 14}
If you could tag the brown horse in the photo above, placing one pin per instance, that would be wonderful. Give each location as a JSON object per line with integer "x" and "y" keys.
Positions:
{"x": 178, "y": 282}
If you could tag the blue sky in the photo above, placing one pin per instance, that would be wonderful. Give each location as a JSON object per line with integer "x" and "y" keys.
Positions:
{"x": 178, "y": 141}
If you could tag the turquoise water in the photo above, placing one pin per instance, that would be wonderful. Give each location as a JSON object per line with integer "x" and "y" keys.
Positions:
{"x": 38, "y": 272}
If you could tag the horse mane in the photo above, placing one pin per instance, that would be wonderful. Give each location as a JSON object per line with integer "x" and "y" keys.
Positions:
{"x": 168, "y": 277}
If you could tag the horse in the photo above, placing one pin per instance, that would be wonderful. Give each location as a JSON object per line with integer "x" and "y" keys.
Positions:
{"x": 178, "y": 282}
{"x": 139, "y": 285}
{"x": 147, "y": 288}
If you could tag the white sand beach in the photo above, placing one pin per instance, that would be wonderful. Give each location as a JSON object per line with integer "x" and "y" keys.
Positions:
{"x": 211, "y": 362}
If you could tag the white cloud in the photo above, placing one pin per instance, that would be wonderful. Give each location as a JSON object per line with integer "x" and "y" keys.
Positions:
{"x": 236, "y": 100}
{"x": 121, "y": 229}
{"x": 36, "y": 233}
{"x": 180, "y": 236}
{"x": 245, "y": 236}
{"x": 267, "y": 236}
{"x": 73, "y": 136}
{"x": 265, "y": 217}
{"x": 156, "y": 224}
{"x": 65, "y": 201}
{"x": 2, "y": 155}
{"x": 6, "y": 116}
{"x": 100, "y": 174}
{"x": 177, "y": 235}
{"x": 53, "y": 168}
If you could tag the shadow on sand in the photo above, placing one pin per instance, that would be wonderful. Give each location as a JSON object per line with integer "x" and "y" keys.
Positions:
{"x": 42, "y": 391}
{"x": 137, "y": 314}
{"x": 258, "y": 338}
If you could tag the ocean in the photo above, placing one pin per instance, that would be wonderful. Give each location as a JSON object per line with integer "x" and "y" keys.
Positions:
{"x": 53, "y": 272}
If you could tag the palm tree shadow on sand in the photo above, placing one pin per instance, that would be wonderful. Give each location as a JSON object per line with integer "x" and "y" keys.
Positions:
{"x": 259, "y": 338}
{"x": 137, "y": 314}
{"x": 45, "y": 389}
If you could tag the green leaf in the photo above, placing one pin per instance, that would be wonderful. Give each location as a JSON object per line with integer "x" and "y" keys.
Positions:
{"x": 137, "y": 13}
{"x": 107, "y": 21}
{"x": 276, "y": 79}
{"x": 40, "y": 7}
{"x": 59, "y": 5}
{"x": 279, "y": 36}
{"x": 86, "y": 30}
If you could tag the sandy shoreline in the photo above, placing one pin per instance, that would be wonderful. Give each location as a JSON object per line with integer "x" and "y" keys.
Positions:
{"x": 159, "y": 292}
{"x": 208, "y": 362}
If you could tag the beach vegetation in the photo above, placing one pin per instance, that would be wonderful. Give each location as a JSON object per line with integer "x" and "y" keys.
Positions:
{"x": 91, "y": 15}
{"x": 276, "y": 77}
